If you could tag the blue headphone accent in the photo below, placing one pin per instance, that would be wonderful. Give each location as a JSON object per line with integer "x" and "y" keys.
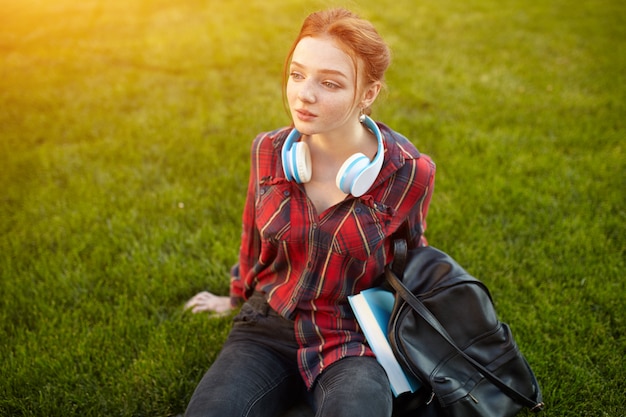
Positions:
{"x": 356, "y": 175}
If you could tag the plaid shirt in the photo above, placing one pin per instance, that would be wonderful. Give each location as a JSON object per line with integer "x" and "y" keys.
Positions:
{"x": 308, "y": 264}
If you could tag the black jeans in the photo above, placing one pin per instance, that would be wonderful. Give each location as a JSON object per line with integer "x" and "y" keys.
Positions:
{"x": 256, "y": 374}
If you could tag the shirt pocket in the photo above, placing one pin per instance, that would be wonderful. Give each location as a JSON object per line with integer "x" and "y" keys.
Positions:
{"x": 363, "y": 231}
{"x": 273, "y": 211}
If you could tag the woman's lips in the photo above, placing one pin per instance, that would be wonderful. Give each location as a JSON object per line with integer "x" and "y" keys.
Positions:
{"x": 305, "y": 115}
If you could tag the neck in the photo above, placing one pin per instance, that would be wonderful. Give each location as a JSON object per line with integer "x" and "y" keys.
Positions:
{"x": 353, "y": 137}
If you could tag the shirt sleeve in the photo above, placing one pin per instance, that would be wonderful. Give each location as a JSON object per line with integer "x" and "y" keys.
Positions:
{"x": 250, "y": 239}
{"x": 414, "y": 228}
{"x": 428, "y": 166}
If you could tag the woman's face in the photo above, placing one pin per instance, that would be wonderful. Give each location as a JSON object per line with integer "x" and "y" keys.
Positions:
{"x": 321, "y": 87}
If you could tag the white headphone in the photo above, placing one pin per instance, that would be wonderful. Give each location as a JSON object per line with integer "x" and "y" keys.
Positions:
{"x": 356, "y": 175}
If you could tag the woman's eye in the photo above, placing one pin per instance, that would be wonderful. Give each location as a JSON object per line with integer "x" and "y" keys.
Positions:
{"x": 330, "y": 85}
{"x": 296, "y": 76}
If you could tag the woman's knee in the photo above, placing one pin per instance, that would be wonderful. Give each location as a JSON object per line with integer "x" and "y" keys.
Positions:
{"x": 355, "y": 386}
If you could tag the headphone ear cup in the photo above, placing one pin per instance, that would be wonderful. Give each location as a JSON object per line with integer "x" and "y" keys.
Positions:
{"x": 350, "y": 171}
{"x": 301, "y": 162}
{"x": 287, "y": 169}
{"x": 287, "y": 154}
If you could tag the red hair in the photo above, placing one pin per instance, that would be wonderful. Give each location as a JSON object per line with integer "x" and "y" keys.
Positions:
{"x": 355, "y": 36}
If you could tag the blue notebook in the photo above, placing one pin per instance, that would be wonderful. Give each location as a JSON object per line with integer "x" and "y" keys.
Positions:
{"x": 372, "y": 309}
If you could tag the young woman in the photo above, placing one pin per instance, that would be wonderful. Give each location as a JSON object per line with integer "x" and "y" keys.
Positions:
{"x": 326, "y": 198}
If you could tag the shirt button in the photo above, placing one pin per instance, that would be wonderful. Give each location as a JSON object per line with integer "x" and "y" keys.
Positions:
{"x": 286, "y": 193}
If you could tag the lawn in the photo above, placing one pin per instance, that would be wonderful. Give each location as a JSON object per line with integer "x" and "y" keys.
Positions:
{"x": 125, "y": 129}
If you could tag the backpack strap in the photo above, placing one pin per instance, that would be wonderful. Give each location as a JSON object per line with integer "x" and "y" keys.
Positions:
{"x": 400, "y": 251}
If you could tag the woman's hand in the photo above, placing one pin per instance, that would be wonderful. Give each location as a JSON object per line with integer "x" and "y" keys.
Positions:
{"x": 206, "y": 302}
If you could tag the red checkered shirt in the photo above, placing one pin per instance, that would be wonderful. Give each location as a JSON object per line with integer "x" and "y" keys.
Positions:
{"x": 307, "y": 263}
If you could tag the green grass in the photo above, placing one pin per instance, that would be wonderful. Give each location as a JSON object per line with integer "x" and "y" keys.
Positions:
{"x": 125, "y": 129}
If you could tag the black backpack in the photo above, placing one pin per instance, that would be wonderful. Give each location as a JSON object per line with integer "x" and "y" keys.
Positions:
{"x": 444, "y": 330}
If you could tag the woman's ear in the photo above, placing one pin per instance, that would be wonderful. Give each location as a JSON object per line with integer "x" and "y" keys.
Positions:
{"x": 370, "y": 94}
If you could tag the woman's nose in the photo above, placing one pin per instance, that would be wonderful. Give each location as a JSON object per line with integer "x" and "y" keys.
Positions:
{"x": 306, "y": 94}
